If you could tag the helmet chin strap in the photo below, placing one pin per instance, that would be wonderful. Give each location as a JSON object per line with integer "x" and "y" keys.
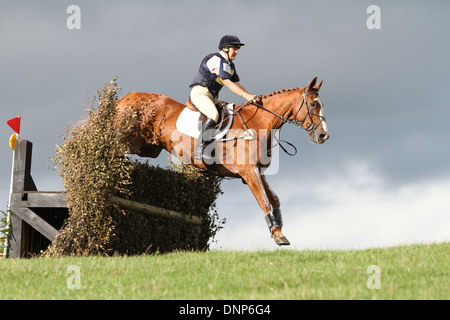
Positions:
{"x": 227, "y": 51}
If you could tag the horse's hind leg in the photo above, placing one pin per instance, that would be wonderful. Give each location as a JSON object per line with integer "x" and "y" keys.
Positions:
{"x": 274, "y": 219}
{"x": 257, "y": 184}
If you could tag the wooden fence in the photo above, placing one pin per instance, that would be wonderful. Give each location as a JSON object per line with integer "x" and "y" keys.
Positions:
{"x": 36, "y": 216}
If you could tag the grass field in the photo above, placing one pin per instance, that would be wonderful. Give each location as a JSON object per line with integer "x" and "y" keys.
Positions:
{"x": 406, "y": 272}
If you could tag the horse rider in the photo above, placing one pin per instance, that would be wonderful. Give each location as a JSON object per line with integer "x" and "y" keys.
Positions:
{"x": 215, "y": 71}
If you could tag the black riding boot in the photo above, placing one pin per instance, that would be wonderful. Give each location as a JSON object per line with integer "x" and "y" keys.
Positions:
{"x": 205, "y": 138}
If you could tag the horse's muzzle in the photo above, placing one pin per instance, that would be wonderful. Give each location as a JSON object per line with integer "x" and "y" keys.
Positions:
{"x": 319, "y": 136}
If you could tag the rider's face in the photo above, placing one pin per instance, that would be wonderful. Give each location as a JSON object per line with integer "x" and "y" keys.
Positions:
{"x": 232, "y": 52}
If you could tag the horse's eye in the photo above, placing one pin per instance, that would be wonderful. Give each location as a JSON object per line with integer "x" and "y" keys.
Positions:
{"x": 313, "y": 104}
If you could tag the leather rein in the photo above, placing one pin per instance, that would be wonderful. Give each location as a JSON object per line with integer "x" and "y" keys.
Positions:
{"x": 299, "y": 124}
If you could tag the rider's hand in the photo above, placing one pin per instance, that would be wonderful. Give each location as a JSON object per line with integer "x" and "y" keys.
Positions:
{"x": 248, "y": 96}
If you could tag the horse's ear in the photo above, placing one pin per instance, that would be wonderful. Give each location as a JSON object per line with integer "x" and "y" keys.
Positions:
{"x": 312, "y": 84}
{"x": 317, "y": 88}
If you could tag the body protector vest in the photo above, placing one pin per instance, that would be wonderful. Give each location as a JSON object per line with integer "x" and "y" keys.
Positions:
{"x": 206, "y": 78}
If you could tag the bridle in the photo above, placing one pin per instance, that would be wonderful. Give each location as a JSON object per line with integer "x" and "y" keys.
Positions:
{"x": 309, "y": 127}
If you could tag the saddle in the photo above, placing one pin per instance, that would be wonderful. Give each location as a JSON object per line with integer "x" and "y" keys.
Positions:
{"x": 225, "y": 114}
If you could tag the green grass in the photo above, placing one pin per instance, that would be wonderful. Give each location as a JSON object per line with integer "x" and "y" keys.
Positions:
{"x": 406, "y": 272}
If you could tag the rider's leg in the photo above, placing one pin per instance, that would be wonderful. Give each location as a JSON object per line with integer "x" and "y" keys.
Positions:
{"x": 205, "y": 102}
{"x": 205, "y": 138}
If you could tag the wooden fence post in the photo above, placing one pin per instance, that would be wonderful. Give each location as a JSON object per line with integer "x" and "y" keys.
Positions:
{"x": 24, "y": 196}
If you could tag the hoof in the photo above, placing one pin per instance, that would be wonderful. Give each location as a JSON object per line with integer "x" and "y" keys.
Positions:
{"x": 281, "y": 241}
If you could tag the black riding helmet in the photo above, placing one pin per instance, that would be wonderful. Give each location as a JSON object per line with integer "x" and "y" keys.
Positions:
{"x": 230, "y": 41}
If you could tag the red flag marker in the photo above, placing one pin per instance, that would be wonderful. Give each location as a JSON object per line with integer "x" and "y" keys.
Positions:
{"x": 14, "y": 123}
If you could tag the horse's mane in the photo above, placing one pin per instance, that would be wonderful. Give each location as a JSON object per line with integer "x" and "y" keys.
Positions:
{"x": 269, "y": 95}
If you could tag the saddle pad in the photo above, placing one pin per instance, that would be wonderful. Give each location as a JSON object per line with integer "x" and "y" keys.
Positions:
{"x": 187, "y": 123}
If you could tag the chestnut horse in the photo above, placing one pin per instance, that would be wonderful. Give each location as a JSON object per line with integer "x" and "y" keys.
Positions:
{"x": 245, "y": 151}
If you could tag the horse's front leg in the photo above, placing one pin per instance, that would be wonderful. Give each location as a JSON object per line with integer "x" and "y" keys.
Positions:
{"x": 274, "y": 219}
{"x": 255, "y": 181}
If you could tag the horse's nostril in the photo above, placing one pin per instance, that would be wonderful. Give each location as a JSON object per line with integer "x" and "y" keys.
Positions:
{"x": 323, "y": 136}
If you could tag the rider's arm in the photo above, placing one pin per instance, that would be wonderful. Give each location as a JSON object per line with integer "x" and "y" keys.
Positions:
{"x": 237, "y": 88}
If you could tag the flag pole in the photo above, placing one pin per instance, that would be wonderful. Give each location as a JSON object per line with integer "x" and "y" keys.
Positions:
{"x": 14, "y": 123}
